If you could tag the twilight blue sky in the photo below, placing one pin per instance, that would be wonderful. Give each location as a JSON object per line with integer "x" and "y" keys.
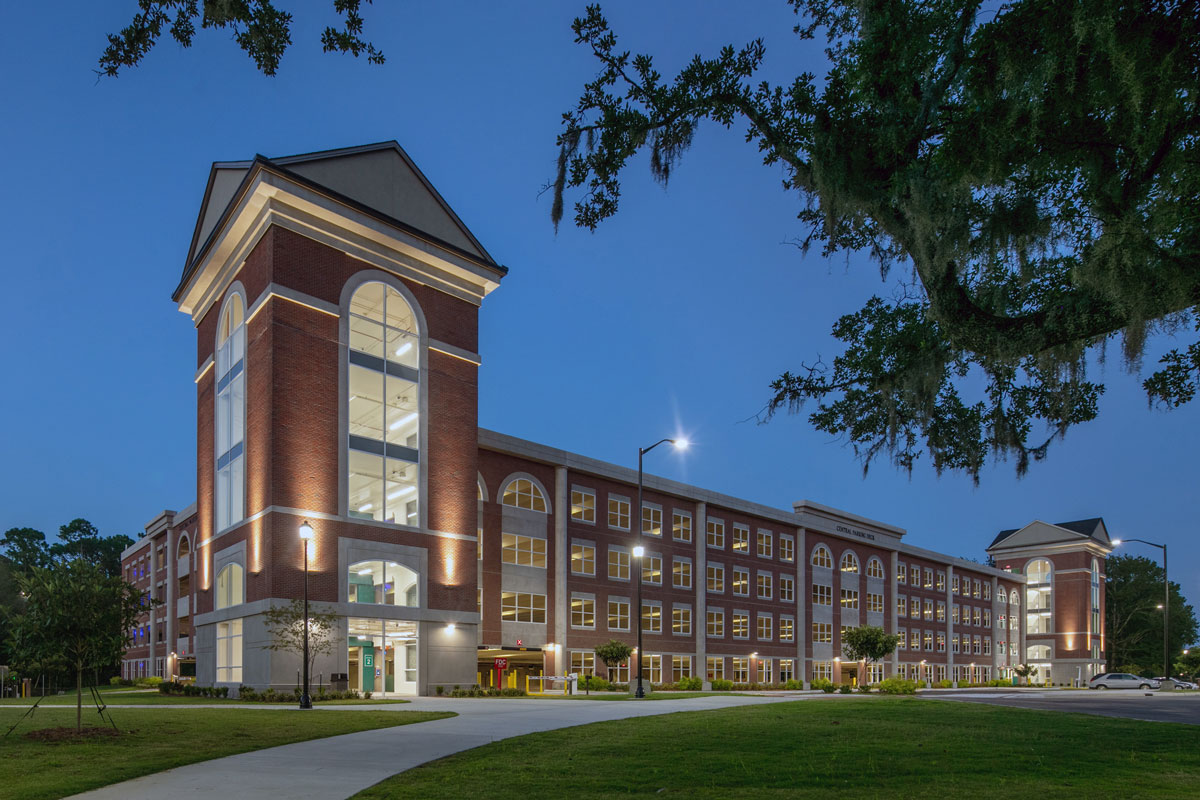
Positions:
{"x": 674, "y": 316}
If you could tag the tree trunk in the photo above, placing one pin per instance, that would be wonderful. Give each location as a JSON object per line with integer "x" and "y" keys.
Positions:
{"x": 78, "y": 699}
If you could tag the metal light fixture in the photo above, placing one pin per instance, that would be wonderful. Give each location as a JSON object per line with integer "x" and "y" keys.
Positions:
{"x": 306, "y": 535}
{"x": 1166, "y": 603}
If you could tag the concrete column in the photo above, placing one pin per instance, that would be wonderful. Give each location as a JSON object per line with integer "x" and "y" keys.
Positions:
{"x": 995, "y": 622}
{"x": 700, "y": 606}
{"x": 894, "y": 614}
{"x": 562, "y": 555}
{"x": 153, "y": 611}
{"x": 950, "y": 624}
{"x": 803, "y": 592}
{"x": 1023, "y": 621}
{"x": 170, "y": 589}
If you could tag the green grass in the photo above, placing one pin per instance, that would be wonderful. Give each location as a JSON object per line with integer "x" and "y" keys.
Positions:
{"x": 870, "y": 748}
{"x": 158, "y": 699}
{"x": 155, "y": 740}
{"x": 628, "y": 696}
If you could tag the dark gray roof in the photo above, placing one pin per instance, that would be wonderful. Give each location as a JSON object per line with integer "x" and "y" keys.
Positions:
{"x": 1084, "y": 527}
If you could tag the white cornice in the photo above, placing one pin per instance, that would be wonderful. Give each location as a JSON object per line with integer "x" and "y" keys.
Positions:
{"x": 273, "y": 199}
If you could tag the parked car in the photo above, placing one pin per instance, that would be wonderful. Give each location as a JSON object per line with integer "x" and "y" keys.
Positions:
{"x": 1122, "y": 680}
{"x": 1175, "y": 683}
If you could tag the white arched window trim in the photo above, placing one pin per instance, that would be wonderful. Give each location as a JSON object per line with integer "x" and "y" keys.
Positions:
{"x": 849, "y": 562}
{"x": 828, "y": 557}
{"x": 352, "y": 285}
{"x": 229, "y": 376}
{"x": 537, "y": 485}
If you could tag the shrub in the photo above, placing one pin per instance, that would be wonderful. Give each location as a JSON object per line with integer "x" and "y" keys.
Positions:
{"x": 945, "y": 684}
{"x": 922, "y": 685}
{"x": 690, "y": 684}
{"x": 117, "y": 680}
{"x": 864, "y": 688}
{"x": 845, "y": 688}
{"x": 824, "y": 684}
{"x": 148, "y": 682}
{"x": 618, "y": 687}
{"x": 367, "y": 695}
{"x": 441, "y": 690}
{"x": 793, "y": 685}
{"x": 897, "y": 686}
{"x": 722, "y": 685}
{"x": 594, "y": 683}
{"x": 513, "y": 693}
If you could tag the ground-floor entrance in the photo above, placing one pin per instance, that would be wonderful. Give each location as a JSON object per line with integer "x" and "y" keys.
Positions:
{"x": 383, "y": 656}
{"x": 517, "y": 668}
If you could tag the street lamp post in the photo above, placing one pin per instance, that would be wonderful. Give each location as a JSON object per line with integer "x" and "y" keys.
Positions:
{"x": 639, "y": 551}
{"x": 306, "y": 535}
{"x": 1166, "y": 606}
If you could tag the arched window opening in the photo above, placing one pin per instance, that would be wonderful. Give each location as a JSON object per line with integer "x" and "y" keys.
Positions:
{"x": 821, "y": 557}
{"x": 524, "y": 493}
{"x": 1037, "y": 652}
{"x": 875, "y": 568}
{"x": 1038, "y": 571}
{"x": 849, "y": 562}
{"x": 384, "y": 583}
{"x": 384, "y": 406}
{"x": 231, "y": 589}
{"x": 231, "y": 413}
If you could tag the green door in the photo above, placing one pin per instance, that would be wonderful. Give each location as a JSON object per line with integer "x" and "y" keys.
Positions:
{"x": 368, "y": 667}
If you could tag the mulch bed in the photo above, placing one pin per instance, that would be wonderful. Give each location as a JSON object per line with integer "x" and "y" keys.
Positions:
{"x": 64, "y": 734}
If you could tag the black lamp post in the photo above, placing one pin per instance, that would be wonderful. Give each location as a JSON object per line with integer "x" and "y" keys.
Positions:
{"x": 639, "y": 551}
{"x": 306, "y": 535}
{"x": 1166, "y": 606}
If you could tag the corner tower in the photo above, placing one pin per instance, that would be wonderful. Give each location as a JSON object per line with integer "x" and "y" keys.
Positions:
{"x": 1063, "y": 564}
{"x": 335, "y": 297}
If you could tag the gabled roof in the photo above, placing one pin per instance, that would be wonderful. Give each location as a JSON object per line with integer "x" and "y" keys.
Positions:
{"x": 377, "y": 179}
{"x": 1044, "y": 533}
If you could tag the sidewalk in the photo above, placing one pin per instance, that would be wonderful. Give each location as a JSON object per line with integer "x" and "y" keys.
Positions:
{"x": 340, "y": 766}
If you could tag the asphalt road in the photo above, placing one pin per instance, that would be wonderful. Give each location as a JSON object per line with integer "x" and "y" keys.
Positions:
{"x": 1164, "y": 706}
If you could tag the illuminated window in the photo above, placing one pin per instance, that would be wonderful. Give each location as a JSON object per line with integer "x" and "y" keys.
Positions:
{"x": 787, "y": 548}
{"x": 849, "y": 562}
{"x": 229, "y": 651}
{"x": 230, "y": 586}
{"x": 976, "y": 590}
{"x": 954, "y": 584}
{"x": 583, "y": 662}
{"x": 618, "y": 614}
{"x": 716, "y": 623}
{"x": 583, "y": 505}
{"x": 928, "y": 578}
{"x": 525, "y": 551}
{"x": 764, "y": 670}
{"x": 849, "y": 598}
{"x": 787, "y": 669}
{"x": 929, "y": 641}
{"x": 874, "y": 568}
{"x": 764, "y": 544}
{"x": 651, "y": 616}
{"x": 822, "y": 670}
{"x": 875, "y": 602}
{"x": 765, "y": 624}
{"x": 714, "y": 668}
{"x": 618, "y": 512}
{"x": 821, "y": 557}
{"x": 681, "y": 666}
{"x": 901, "y": 573}
{"x": 987, "y": 591}
{"x": 914, "y": 576}
{"x": 914, "y": 640}
{"x": 928, "y": 610}
{"x": 787, "y": 629}
{"x": 681, "y": 573}
{"x": 741, "y": 670}
{"x": 954, "y": 613}
{"x": 583, "y": 558}
{"x": 651, "y": 520}
{"x": 681, "y": 620}
{"x": 741, "y": 582}
{"x": 716, "y": 578}
{"x": 741, "y": 539}
{"x": 523, "y": 493}
{"x": 741, "y": 625}
{"x": 681, "y": 526}
{"x": 764, "y": 585}
{"x": 522, "y": 607}
{"x": 653, "y": 668}
{"x": 583, "y": 611}
{"x": 383, "y": 583}
{"x": 787, "y": 589}
{"x": 914, "y": 607}
{"x": 987, "y": 618}
{"x": 902, "y": 639}
{"x": 822, "y": 595}
{"x": 941, "y": 581}
{"x": 231, "y": 415}
{"x": 716, "y": 534}
{"x": 652, "y": 569}
{"x": 618, "y": 563}
{"x": 383, "y": 411}
{"x": 902, "y": 606}
{"x": 954, "y": 643}
{"x": 941, "y": 642}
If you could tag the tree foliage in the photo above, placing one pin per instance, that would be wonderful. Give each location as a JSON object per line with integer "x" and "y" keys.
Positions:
{"x": 614, "y": 653}
{"x": 26, "y": 548}
{"x": 285, "y": 625}
{"x": 869, "y": 643}
{"x": 259, "y": 27}
{"x": 1133, "y": 592}
{"x": 1031, "y": 166}
{"x": 76, "y": 615}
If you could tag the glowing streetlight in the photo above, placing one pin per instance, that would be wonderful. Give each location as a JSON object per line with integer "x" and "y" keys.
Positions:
{"x": 306, "y": 535}
{"x": 1166, "y": 603}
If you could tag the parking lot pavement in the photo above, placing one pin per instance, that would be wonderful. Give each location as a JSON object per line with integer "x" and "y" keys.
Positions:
{"x": 1164, "y": 706}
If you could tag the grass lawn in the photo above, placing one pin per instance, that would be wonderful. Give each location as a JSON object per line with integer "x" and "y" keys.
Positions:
{"x": 628, "y": 696}
{"x": 154, "y": 740}
{"x": 876, "y": 747}
{"x": 156, "y": 698}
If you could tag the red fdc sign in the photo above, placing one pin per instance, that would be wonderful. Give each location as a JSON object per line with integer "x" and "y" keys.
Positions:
{"x": 501, "y": 663}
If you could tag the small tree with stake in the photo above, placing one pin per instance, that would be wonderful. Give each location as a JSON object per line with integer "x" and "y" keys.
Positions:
{"x": 613, "y": 653}
{"x": 78, "y": 615}
{"x": 285, "y": 624}
{"x": 1024, "y": 671}
{"x": 868, "y": 643}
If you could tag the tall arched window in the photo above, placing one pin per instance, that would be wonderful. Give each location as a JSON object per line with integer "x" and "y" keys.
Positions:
{"x": 230, "y": 586}
{"x": 1038, "y": 596}
{"x": 1095, "y": 596}
{"x": 384, "y": 406}
{"x": 849, "y": 562}
{"x": 383, "y": 583}
{"x": 874, "y": 568}
{"x": 231, "y": 413}
{"x": 821, "y": 557}
{"x": 522, "y": 493}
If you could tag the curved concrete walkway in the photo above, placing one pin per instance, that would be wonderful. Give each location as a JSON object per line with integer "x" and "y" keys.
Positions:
{"x": 337, "y": 767}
